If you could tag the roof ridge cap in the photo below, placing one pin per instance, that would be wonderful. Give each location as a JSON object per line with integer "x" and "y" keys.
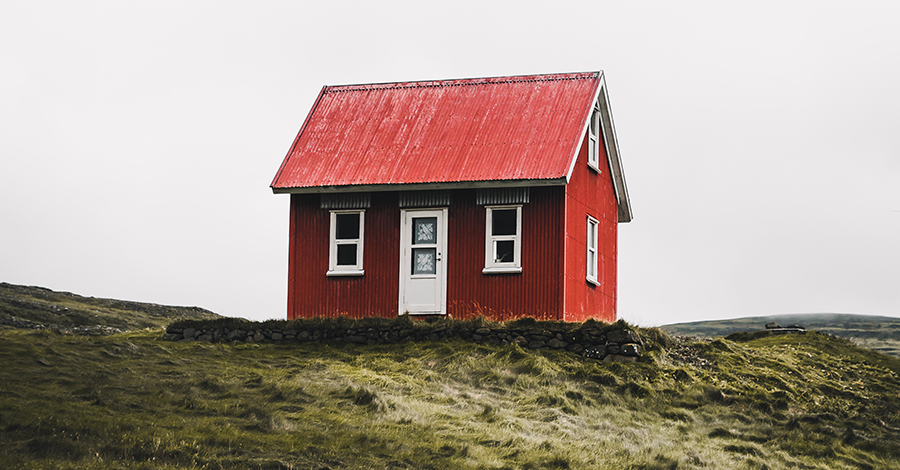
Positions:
{"x": 463, "y": 82}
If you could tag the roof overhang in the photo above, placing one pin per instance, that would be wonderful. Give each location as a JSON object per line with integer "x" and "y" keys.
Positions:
{"x": 421, "y": 186}
{"x": 611, "y": 145}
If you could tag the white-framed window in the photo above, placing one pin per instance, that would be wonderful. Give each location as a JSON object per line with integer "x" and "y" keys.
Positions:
{"x": 503, "y": 239}
{"x": 593, "y": 255}
{"x": 345, "y": 245}
{"x": 593, "y": 159}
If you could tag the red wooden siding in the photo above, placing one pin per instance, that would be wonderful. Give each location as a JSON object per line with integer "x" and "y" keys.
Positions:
{"x": 536, "y": 291}
{"x": 590, "y": 193}
{"x": 311, "y": 293}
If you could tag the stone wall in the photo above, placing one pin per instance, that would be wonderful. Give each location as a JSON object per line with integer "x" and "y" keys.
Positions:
{"x": 615, "y": 342}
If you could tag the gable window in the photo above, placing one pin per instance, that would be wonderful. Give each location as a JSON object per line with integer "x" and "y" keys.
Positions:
{"x": 594, "y": 139}
{"x": 593, "y": 257}
{"x": 503, "y": 239}
{"x": 345, "y": 246}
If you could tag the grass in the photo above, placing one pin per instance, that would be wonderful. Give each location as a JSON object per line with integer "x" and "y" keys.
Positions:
{"x": 133, "y": 401}
{"x": 67, "y": 311}
{"x": 869, "y": 331}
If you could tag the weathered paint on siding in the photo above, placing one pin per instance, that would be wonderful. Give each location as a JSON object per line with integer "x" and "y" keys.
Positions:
{"x": 536, "y": 291}
{"x": 590, "y": 193}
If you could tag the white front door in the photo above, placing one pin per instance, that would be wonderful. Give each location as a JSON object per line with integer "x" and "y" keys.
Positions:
{"x": 423, "y": 277}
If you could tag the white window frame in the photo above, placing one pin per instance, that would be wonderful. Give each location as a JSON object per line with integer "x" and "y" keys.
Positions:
{"x": 490, "y": 243}
{"x": 345, "y": 270}
{"x": 593, "y": 253}
{"x": 595, "y": 130}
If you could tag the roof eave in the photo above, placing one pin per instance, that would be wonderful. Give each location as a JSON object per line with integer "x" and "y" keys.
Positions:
{"x": 422, "y": 186}
{"x": 615, "y": 162}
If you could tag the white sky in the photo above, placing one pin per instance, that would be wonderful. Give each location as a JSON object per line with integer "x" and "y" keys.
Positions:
{"x": 760, "y": 142}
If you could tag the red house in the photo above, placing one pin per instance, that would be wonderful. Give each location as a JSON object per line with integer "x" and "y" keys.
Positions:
{"x": 487, "y": 196}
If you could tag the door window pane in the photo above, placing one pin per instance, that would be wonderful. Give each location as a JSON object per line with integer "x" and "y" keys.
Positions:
{"x": 424, "y": 260}
{"x": 424, "y": 230}
{"x": 504, "y": 222}
{"x": 347, "y": 227}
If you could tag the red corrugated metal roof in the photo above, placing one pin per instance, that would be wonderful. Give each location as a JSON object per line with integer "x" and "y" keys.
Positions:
{"x": 502, "y": 129}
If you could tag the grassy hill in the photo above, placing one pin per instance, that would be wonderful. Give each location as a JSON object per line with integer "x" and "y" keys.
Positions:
{"x": 870, "y": 331}
{"x": 133, "y": 400}
{"x": 37, "y": 307}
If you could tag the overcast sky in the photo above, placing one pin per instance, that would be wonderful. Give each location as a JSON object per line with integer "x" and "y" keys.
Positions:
{"x": 759, "y": 142}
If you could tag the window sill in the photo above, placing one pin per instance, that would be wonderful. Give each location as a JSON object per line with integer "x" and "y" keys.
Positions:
{"x": 502, "y": 270}
{"x": 345, "y": 273}
{"x": 594, "y": 282}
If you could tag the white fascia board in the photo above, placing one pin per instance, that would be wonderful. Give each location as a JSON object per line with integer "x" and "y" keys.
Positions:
{"x": 615, "y": 162}
{"x": 584, "y": 129}
{"x": 611, "y": 144}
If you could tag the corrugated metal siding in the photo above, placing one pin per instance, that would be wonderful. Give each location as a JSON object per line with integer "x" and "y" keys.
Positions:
{"x": 345, "y": 201}
{"x": 489, "y": 129}
{"x": 590, "y": 193}
{"x": 311, "y": 293}
{"x": 425, "y": 199}
{"x": 502, "y": 196}
{"x": 536, "y": 291}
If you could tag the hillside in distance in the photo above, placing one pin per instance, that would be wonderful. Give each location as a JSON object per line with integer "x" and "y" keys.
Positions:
{"x": 870, "y": 331}
{"x": 38, "y": 308}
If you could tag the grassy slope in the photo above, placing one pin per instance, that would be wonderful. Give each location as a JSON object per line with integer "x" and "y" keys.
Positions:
{"x": 870, "y": 331}
{"x": 64, "y": 310}
{"x": 131, "y": 400}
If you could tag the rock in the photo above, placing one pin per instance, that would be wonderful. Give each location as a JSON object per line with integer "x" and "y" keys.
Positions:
{"x": 277, "y": 337}
{"x": 483, "y": 331}
{"x": 536, "y": 344}
{"x": 258, "y": 337}
{"x": 205, "y": 337}
{"x": 596, "y": 352}
{"x": 557, "y": 344}
{"x": 631, "y": 349}
{"x": 236, "y": 335}
{"x": 623, "y": 336}
{"x": 612, "y": 348}
{"x": 189, "y": 333}
{"x": 575, "y": 348}
{"x": 520, "y": 340}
